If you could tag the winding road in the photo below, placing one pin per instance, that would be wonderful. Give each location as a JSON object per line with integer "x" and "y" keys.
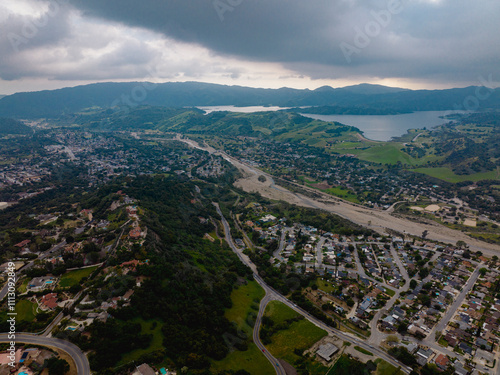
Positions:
{"x": 272, "y": 294}
{"x": 81, "y": 361}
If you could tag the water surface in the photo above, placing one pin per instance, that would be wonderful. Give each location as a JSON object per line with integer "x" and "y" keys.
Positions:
{"x": 384, "y": 127}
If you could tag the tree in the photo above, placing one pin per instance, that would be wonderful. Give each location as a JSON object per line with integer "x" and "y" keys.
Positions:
{"x": 57, "y": 366}
{"x": 413, "y": 283}
{"x": 423, "y": 273}
{"x": 483, "y": 272}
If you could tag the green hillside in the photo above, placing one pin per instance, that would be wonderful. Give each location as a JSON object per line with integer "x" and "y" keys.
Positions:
{"x": 11, "y": 126}
{"x": 362, "y": 99}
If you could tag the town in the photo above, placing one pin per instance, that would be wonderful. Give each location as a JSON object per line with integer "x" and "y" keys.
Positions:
{"x": 80, "y": 263}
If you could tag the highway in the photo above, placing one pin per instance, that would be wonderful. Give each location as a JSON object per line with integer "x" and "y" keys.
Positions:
{"x": 81, "y": 361}
{"x": 272, "y": 294}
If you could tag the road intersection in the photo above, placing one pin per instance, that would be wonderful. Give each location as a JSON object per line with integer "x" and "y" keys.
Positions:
{"x": 272, "y": 294}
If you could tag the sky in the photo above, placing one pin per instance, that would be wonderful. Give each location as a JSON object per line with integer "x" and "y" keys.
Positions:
{"x": 417, "y": 44}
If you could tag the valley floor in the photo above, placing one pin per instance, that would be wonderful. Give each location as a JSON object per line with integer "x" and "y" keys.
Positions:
{"x": 375, "y": 219}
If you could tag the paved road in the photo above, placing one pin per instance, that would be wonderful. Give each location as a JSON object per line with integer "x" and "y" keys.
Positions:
{"x": 400, "y": 265}
{"x": 359, "y": 214}
{"x": 454, "y": 307}
{"x": 60, "y": 316}
{"x": 376, "y": 336}
{"x": 273, "y": 294}
{"x": 256, "y": 337}
{"x": 281, "y": 247}
{"x": 319, "y": 253}
{"x": 263, "y": 303}
{"x": 81, "y": 361}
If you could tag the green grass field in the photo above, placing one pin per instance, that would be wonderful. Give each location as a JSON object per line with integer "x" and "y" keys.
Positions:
{"x": 74, "y": 277}
{"x": 383, "y": 153}
{"x": 279, "y": 312}
{"x": 245, "y": 300}
{"x": 337, "y": 191}
{"x": 25, "y": 310}
{"x": 385, "y": 368}
{"x": 343, "y": 193}
{"x": 446, "y": 174}
{"x": 299, "y": 335}
{"x": 251, "y": 360}
{"x": 156, "y": 342}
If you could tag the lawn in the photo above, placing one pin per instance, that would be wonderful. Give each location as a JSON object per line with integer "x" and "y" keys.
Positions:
{"x": 25, "y": 310}
{"x": 385, "y": 368}
{"x": 279, "y": 312}
{"x": 325, "y": 286}
{"x": 300, "y": 335}
{"x": 251, "y": 360}
{"x": 74, "y": 277}
{"x": 152, "y": 327}
{"x": 24, "y": 285}
{"x": 337, "y": 191}
{"x": 245, "y": 300}
{"x": 446, "y": 174}
{"x": 390, "y": 292}
{"x": 443, "y": 342}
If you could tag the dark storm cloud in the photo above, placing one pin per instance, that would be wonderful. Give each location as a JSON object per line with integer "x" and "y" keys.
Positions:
{"x": 443, "y": 40}
{"x": 260, "y": 30}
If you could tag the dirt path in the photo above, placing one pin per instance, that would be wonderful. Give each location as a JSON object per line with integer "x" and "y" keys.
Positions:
{"x": 374, "y": 219}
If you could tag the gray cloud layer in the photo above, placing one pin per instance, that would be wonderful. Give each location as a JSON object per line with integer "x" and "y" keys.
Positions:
{"x": 429, "y": 40}
{"x": 444, "y": 40}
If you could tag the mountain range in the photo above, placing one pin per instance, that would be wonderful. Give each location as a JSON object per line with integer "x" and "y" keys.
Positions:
{"x": 358, "y": 99}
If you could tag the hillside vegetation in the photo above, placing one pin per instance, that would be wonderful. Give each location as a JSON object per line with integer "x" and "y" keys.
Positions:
{"x": 362, "y": 99}
{"x": 11, "y": 126}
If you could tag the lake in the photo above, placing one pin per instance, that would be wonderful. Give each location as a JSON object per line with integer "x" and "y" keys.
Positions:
{"x": 232, "y": 108}
{"x": 375, "y": 127}
{"x": 384, "y": 127}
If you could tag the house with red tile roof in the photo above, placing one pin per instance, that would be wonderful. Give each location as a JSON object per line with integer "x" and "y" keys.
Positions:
{"x": 135, "y": 233}
{"x": 22, "y": 243}
{"x": 442, "y": 361}
{"x": 49, "y": 301}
